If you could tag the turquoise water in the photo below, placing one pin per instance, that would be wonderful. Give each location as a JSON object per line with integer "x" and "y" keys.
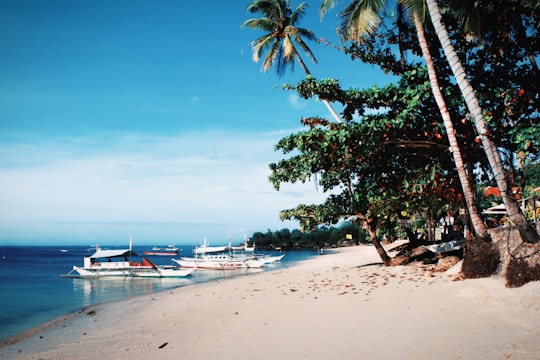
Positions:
{"x": 32, "y": 292}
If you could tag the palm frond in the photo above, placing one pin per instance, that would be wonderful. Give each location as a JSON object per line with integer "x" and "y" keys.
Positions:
{"x": 288, "y": 48}
{"x": 282, "y": 62}
{"x": 298, "y": 39}
{"x": 271, "y": 56}
{"x": 412, "y": 7}
{"x": 282, "y": 36}
{"x": 269, "y": 8}
{"x": 467, "y": 14}
{"x": 365, "y": 22}
{"x": 325, "y": 6}
{"x": 361, "y": 17}
{"x": 299, "y": 13}
{"x": 307, "y": 34}
{"x": 260, "y": 45}
{"x": 263, "y": 24}
{"x": 402, "y": 28}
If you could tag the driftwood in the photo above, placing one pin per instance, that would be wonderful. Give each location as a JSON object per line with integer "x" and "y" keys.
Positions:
{"x": 406, "y": 255}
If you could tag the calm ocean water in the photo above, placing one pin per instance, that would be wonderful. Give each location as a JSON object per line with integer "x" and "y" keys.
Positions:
{"x": 33, "y": 292}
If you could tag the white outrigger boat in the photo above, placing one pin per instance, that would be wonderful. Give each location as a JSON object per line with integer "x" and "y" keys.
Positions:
{"x": 170, "y": 250}
{"x": 220, "y": 258}
{"x": 249, "y": 252}
{"x": 101, "y": 264}
{"x": 226, "y": 258}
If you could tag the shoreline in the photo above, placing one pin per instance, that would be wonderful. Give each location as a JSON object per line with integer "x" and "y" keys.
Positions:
{"x": 343, "y": 304}
{"x": 31, "y": 320}
{"x": 44, "y": 326}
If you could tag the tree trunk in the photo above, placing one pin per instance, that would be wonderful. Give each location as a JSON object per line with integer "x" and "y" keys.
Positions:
{"x": 527, "y": 232}
{"x": 431, "y": 228}
{"x": 466, "y": 186}
{"x": 369, "y": 225}
{"x": 325, "y": 102}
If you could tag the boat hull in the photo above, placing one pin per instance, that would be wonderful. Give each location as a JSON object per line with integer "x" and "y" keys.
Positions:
{"x": 96, "y": 272}
{"x": 210, "y": 264}
{"x": 166, "y": 273}
{"x": 219, "y": 264}
{"x": 131, "y": 272}
{"x": 161, "y": 253}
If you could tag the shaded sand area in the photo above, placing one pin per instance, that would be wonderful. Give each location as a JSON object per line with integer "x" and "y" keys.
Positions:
{"x": 343, "y": 305}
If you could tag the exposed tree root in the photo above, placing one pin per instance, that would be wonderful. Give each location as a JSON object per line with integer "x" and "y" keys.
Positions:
{"x": 481, "y": 259}
{"x": 507, "y": 256}
{"x": 520, "y": 272}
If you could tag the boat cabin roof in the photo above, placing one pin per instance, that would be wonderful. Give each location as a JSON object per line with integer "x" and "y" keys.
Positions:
{"x": 101, "y": 253}
{"x": 211, "y": 249}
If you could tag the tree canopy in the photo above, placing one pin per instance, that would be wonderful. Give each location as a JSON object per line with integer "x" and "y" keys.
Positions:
{"x": 390, "y": 158}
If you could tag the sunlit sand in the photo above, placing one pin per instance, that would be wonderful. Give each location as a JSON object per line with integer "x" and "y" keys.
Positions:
{"x": 342, "y": 305}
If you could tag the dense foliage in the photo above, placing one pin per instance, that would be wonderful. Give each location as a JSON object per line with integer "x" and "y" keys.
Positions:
{"x": 322, "y": 237}
{"x": 390, "y": 160}
{"x": 387, "y": 164}
{"x": 398, "y": 127}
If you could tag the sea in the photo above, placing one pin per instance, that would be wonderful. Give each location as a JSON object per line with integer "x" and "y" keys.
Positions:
{"x": 33, "y": 292}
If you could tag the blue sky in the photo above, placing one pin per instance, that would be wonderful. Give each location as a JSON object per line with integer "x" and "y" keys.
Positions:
{"x": 146, "y": 118}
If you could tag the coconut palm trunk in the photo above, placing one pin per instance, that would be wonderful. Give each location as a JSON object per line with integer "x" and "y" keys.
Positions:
{"x": 466, "y": 183}
{"x": 467, "y": 188}
{"x": 325, "y": 102}
{"x": 516, "y": 216}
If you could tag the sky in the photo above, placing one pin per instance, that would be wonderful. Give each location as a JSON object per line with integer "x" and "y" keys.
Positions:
{"x": 147, "y": 119}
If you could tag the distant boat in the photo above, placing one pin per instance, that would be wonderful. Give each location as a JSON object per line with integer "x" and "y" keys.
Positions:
{"x": 63, "y": 251}
{"x": 170, "y": 250}
{"x": 101, "y": 264}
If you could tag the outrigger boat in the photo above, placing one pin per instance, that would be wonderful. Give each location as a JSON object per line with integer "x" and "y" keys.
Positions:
{"x": 220, "y": 258}
{"x": 247, "y": 251}
{"x": 226, "y": 258}
{"x": 170, "y": 250}
{"x": 104, "y": 263}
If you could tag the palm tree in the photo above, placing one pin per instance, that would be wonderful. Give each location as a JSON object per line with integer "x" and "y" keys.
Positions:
{"x": 466, "y": 185}
{"x": 282, "y": 37}
{"x": 362, "y": 17}
{"x": 515, "y": 214}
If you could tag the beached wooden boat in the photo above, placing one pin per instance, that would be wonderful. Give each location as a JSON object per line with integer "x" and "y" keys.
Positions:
{"x": 116, "y": 263}
{"x": 446, "y": 246}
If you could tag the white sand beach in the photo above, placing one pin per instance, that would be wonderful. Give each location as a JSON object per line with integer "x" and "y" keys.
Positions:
{"x": 343, "y": 305}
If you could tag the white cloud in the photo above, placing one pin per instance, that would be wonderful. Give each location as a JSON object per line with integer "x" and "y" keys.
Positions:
{"x": 198, "y": 178}
{"x": 296, "y": 102}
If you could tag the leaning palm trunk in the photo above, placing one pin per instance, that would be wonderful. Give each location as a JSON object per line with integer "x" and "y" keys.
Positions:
{"x": 325, "y": 102}
{"x": 332, "y": 111}
{"x": 518, "y": 219}
{"x": 477, "y": 222}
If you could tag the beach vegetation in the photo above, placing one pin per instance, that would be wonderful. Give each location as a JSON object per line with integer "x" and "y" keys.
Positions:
{"x": 318, "y": 238}
{"x": 362, "y": 17}
{"x": 393, "y": 159}
{"x": 383, "y": 166}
